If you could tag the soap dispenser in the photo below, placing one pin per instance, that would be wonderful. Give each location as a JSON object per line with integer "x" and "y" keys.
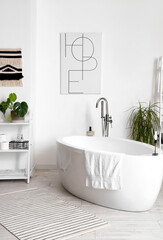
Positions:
{"x": 90, "y": 132}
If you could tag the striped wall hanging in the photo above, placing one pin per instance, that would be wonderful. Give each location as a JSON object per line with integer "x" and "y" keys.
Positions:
{"x": 11, "y": 67}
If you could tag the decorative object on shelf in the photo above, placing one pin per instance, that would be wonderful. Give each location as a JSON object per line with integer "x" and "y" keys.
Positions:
{"x": 4, "y": 145}
{"x": 3, "y": 137}
{"x": 14, "y": 117}
{"x": 11, "y": 67}
{"x": 81, "y": 63}
{"x": 20, "y": 143}
{"x": 18, "y": 110}
{"x": 144, "y": 121}
{"x": 3, "y": 142}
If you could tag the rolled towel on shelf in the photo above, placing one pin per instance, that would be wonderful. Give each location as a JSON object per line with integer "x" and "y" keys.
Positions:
{"x": 4, "y": 145}
{"x": 103, "y": 170}
{"x": 3, "y": 137}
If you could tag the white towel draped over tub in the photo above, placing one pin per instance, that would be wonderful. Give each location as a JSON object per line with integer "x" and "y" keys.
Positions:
{"x": 103, "y": 170}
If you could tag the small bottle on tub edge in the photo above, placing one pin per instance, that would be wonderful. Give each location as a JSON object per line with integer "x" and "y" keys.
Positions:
{"x": 90, "y": 132}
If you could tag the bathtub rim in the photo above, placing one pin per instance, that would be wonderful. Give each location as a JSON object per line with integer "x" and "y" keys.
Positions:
{"x": 61, "y": 141}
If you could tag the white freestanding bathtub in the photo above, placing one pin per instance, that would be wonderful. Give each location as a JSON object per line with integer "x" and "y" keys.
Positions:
{"x": 141, "y": 172}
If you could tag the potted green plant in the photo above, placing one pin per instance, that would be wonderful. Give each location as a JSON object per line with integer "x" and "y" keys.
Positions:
{"x": 8, "y": 104}
{"x": 144, "y": 121}
{"x": 18, "y": 110}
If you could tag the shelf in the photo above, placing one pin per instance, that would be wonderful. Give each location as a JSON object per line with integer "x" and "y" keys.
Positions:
{"x": 13, "y": 123}
{"x": 14, "y": 150}
{"x": 16, "y": 174}
{"x": 12, "y": 174}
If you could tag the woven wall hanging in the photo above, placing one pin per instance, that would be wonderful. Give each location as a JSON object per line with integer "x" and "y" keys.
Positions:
{"x": 11, "y": 67}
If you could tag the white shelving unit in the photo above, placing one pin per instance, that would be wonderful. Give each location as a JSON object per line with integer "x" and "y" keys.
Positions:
{"x": 14, "y": 150}
{"x": 160, "y": 89}
{"x": 19, "y": 173}
{"x": 13, "y": 174}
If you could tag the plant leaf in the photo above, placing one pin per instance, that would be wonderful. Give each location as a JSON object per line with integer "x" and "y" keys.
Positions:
{"x": 20, "y": 109}
{"x": 12, "y": 97}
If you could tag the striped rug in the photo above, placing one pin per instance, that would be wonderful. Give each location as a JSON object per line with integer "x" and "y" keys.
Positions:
{"x": 39, "y": 214}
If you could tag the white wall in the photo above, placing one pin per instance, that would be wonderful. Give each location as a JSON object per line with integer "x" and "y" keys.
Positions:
{"x": 17, "y": 23}
{"x": 132, "y": 40}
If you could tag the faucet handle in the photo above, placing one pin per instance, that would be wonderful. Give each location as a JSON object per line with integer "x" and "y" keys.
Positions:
{"x": 111, "y": 121}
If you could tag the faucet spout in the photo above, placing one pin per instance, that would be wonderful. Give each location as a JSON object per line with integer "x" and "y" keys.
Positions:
{"x": 106, "y": 102}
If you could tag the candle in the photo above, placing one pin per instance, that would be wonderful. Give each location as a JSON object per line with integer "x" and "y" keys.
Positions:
{"x": 155, "y": 136}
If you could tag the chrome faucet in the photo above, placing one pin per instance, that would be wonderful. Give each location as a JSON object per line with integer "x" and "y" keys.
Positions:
{"x": 105, "y": 119}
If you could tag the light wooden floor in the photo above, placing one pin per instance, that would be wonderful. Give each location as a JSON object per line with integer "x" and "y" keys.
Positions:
{"x": 123, "y": 225}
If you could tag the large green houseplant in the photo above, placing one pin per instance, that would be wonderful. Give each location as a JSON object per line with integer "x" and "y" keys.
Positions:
{"x": 144, "y": 121}
{"x": 17, "y": 109}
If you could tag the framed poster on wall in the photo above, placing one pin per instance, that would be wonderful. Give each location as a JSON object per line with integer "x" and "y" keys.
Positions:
{"x": 80, "y": 63}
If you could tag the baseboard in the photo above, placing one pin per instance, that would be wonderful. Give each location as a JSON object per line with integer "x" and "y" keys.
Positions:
{"x": 46, "y": 166}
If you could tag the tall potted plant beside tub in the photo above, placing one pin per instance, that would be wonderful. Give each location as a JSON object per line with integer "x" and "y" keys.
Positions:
{"x": 144, "y": 121}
